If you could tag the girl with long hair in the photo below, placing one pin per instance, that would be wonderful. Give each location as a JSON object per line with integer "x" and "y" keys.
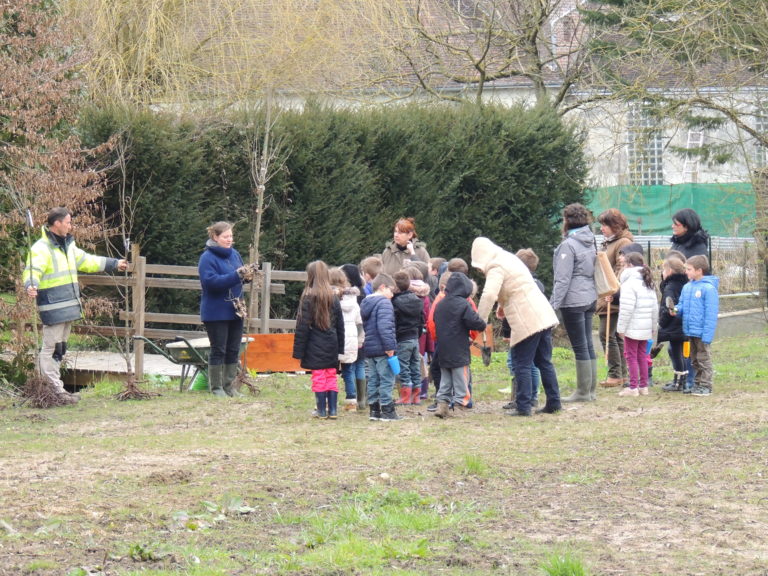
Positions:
{"x": 319, "y": 337}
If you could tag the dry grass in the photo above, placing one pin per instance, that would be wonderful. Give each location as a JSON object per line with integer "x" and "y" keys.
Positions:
{"x": 185, "y": 484}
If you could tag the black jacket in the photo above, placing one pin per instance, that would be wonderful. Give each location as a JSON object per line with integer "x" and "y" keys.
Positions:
{"x": 409, "y": 316}
{"x": 691, "y": 243}
{"x": 671, "y": 327}
{"x": 454, "y": 318}
{"x": 318, "y": 349}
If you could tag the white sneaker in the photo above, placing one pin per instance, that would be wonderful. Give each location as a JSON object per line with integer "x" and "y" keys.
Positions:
{"x": 630, "y": 392}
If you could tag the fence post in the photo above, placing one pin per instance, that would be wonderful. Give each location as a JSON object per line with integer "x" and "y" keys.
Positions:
{"x": 265, "y": 297}
{"x": 139, "y": 274}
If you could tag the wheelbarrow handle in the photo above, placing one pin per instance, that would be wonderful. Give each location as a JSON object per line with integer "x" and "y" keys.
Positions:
{"x": 155, "y": 347}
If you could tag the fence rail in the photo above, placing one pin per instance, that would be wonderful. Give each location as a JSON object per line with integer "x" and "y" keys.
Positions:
{"x": 141, "y": 276}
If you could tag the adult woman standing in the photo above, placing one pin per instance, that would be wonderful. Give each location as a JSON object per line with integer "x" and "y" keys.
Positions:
{"x": 404, "y": 246}
{"x": 222, "y": 274}
{"x": 574, "y": 294}
{"x": 616, "y": 234}
{"x": 688, "y": 237}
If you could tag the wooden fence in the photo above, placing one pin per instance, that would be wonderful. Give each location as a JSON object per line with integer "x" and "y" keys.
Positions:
{"x": 141, "y": 276}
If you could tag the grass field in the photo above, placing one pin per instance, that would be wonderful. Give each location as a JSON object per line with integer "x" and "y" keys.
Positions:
{"x": 187, "y": 484}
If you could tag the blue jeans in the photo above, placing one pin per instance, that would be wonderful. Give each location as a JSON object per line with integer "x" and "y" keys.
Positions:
{"x": 535, "y": 375}
{"x": 410, "y": 363}
{"x": 225, "y": 338}
{"x": 352, "y": 372}
{"x": 535, "y": 350}
{"x": 381, "y": 380}
{"x": 578, "y": 325}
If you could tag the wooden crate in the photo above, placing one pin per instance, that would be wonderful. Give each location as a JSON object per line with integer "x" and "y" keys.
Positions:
{"x": 271, "y": 353}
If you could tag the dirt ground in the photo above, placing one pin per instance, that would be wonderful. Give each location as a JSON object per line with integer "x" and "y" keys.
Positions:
{"x": 642, "y": 486}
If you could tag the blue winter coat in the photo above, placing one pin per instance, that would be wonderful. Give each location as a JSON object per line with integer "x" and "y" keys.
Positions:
{"x": 221, "y": 284}
{"x": 378, "y": 324}
{"x": 698, "y": 306}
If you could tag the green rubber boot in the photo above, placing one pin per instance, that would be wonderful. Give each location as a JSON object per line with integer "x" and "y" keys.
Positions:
{"x": 216, "y": 380}
{"x": 230, "y": 374}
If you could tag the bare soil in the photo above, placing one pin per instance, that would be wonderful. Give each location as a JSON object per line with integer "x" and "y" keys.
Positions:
{"x": 667, "y": 484}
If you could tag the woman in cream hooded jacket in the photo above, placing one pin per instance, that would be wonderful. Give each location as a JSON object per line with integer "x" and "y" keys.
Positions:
{"x": 530, "y": 317}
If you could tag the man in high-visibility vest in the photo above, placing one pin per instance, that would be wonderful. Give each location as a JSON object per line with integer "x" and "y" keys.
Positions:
{"x": 50, "y": 276}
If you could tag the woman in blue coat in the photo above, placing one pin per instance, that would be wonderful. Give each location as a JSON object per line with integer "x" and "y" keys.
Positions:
{"x": 222, "y": 307}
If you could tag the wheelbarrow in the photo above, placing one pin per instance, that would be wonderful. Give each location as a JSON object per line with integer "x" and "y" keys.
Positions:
{"x": 191, "y": 355}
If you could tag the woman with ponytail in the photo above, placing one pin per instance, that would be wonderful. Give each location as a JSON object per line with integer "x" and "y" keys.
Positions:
{"x": 638, "y": 321}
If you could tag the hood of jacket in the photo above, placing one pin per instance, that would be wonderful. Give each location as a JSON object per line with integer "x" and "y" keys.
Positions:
{"x": 714, "y": 280}
{"x": 458, "y": 286}
{"x": 483, "y": 253}
{"x": 631, "y": 272}
{"x": 582, "y": 235}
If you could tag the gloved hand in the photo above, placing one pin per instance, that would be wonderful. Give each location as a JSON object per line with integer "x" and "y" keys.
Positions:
{"x": 245, "y": 273}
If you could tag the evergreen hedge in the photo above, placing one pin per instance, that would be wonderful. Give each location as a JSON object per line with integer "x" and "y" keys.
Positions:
{"x": 347, "y": 176}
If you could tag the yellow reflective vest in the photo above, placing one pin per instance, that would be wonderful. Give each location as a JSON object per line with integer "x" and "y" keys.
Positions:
{"x": 52, "y": 267}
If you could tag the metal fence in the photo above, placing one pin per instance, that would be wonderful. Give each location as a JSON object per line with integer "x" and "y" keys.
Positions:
{"x": 734, "y": 261}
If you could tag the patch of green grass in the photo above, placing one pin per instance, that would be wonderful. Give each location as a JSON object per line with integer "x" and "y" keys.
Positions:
{"x": 39, "y": 565}
{"x": 583, "y": 478}
{"x": 564, "y": 565}
{"x": 474, "y": 465}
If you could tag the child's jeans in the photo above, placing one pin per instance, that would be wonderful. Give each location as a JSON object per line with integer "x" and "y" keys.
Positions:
{"x": 381, "y": 380}
{"x": 636, "y": 353}
{"x": 352, "y": 372}
{"x": 535, "y": 375}
{"x": 410, "y": 363}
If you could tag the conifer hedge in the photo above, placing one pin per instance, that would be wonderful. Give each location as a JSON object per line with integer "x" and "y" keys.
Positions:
{"x": 347, "y": 176}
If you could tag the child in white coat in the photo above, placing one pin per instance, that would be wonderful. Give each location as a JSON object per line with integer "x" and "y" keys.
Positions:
{"x": 637, "y": 323}
{"x": 353, "y": 333}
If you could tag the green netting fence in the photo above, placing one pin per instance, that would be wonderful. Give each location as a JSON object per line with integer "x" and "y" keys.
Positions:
{"x": 726, "y": 209}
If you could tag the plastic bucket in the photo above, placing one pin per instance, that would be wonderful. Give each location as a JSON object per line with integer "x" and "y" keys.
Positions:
{"x": 200, "y": 382}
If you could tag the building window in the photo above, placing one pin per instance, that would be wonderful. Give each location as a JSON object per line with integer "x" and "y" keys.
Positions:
{"x": 644, "y": 147}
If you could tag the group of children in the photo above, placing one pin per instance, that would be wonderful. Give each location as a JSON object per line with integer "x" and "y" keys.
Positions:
{"x": 686, "y": 318}
{"x": 377, "y": 327}
{"x": 384, "y": 328}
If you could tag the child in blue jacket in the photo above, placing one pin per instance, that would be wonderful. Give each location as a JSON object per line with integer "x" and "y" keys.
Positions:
{"x": 379, "y": 346}
{"x": 698, "y": 306}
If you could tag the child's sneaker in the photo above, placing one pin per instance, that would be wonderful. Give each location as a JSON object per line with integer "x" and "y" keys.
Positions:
{"x": 643, "y": 391}
{"x": 700, "y": 391}
{"x": 629, "y": 392}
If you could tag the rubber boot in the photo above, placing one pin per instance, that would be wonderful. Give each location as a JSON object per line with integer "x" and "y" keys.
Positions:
{"x": 415, "y": 395}
{"x": 230, "y": 374}
{"x": 405, "y": 395}
{"x": 593, "y": 383}
{"x": 216, "y": 380}
{"x": 673, "y": 386}
{"x": 321, "y": 398}
{"x": 388, "y": 412}
{"x": 361, "y": 386}
{"x": 583, "y": 382}
{"x": 333, "y": 400}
